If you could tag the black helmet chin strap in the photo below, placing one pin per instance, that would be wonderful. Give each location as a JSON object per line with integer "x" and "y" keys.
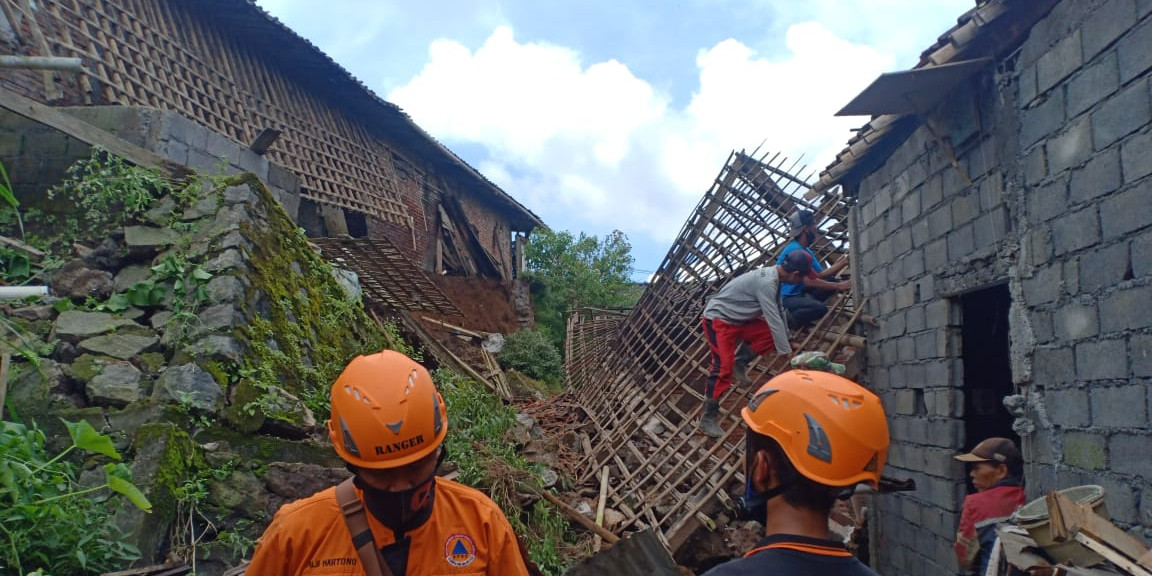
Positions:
{"x": 754, "y": 505}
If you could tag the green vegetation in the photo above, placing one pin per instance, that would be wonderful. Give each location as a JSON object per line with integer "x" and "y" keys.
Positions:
{"x": 50, "y": 523}
{"x": 477, "y": 425}
{"x": 311, "y": 327}
{"x": 108, "y": 192}
{"x": 569, "y": 271}
{"x": 533, "y": 354}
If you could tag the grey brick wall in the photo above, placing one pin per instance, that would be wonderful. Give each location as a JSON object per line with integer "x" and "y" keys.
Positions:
{"x": 1054, "y": 197}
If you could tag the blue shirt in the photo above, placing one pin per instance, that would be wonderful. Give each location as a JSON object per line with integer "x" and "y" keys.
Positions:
{"x": 787, "y": 289}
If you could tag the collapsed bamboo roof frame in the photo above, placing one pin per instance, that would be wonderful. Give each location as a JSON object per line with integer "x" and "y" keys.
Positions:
{"x": 637, "y": 373}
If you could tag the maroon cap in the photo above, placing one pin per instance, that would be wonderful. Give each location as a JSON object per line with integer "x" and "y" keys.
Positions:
{"x": 999, "y": 450}
{"x": 799, "y": 261}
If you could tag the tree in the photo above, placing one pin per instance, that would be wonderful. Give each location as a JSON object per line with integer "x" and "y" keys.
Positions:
{"x": 569, "y": 271}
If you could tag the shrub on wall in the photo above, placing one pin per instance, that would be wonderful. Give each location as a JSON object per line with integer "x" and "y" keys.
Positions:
{"x": 534, "y": 354}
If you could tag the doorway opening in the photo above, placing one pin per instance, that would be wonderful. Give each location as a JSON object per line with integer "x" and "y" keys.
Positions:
{"x": 987, "y": 365}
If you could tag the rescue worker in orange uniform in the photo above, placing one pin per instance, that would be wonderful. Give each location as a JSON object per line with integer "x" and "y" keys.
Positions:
{"x": 812, "y": 437}
{"x": 388, "y": 425}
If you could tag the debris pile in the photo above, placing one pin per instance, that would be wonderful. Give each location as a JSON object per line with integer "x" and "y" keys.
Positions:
{"x": 1068, "y": 532}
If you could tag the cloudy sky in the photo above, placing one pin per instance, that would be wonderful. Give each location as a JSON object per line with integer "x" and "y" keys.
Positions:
{"x": 618, "y": 114}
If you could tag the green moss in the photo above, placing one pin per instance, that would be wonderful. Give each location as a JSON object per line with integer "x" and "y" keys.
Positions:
{"x": 178, "y": 461}
{"x": 151, "y": 362}
{"x": 88, "y": 366}
{"x": 264, "y": 449}
{"x": 242, "y": 414}
{"x": 305, "y": 329}
{"x": 218, "y": 371}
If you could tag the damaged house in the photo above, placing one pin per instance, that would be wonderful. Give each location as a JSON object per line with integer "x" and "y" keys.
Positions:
{"x": 1002, "y": 237}
{"x": 223, "y": 86}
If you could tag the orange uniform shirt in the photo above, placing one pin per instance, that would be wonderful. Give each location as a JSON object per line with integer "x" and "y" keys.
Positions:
{"x": 467, "y": 535}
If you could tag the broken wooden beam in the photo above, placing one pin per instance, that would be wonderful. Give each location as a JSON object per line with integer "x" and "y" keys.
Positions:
{"x": 33, "y": 253}
{"x": 89, "y": 134}
{"x": 581, "y": 519}
{"x": 264, "y": 141}
{"x": 455, "y": 328}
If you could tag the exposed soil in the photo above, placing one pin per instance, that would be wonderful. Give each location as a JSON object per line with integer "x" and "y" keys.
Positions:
{"x": 486, "y": 305}
{"x": 485, "y": 302}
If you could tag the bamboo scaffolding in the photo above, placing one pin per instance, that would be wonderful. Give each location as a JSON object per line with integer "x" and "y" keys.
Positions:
{"x": 650, "y": 365}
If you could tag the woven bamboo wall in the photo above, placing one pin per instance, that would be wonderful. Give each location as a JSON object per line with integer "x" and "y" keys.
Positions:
{"x": 640, "y": 376}
{"x": 231, "y": 67}
{"x": 159, "y": 54}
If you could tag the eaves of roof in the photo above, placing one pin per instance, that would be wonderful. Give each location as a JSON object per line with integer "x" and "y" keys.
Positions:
{"x": 300, "y": 58}
{"x": 990, "y": 30}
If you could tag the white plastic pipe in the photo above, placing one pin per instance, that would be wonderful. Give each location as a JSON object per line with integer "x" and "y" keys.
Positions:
{"x": 18, "y": 292}
{"x": 42, "y": 63}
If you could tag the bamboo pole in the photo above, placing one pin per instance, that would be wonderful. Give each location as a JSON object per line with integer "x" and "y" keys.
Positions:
{"x": 581, "y": 519}
{"x": 600, "y": 507}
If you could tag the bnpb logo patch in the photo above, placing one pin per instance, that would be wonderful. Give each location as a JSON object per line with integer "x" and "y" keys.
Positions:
{"x": 459, "y": 550}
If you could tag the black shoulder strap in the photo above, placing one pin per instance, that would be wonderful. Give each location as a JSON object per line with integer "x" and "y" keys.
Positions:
{"x": 362, "y": 539}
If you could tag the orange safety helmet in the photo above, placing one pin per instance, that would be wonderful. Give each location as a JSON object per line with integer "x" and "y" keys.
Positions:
{"x": 386, "y": 412}
{"x": 832, "y": 430}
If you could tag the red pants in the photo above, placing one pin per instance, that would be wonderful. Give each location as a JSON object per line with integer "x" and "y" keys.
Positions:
{"x": 723, "y": 339}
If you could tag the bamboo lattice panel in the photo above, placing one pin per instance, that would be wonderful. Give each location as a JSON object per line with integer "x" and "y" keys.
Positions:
{"x": 386, "y": 275}
{"x": 640, "y": 376}
{"x": 175, "y": 55}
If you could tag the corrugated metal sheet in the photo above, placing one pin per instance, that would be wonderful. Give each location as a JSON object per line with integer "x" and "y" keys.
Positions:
{"x": 640, "y": 554}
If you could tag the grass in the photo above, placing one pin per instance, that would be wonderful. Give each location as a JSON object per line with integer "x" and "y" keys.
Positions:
{"x": 477, "y": 429}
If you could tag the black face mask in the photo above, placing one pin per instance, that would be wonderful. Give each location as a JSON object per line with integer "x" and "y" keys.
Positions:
{"x": 404, "y": 510}
{"x": 754, "y": 504}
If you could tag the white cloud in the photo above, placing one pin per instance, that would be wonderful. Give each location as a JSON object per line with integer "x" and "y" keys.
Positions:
{"x": 597, "y": 147}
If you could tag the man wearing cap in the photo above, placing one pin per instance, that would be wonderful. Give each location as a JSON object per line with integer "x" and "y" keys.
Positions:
{"x": 746, "y": 309}
{"x": 804, "y": 300}
{"x": 997, "y": 472}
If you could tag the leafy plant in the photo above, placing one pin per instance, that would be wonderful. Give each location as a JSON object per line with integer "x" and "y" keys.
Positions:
{"x": 534, "y": 354}
{"x": 569, "y": 271}
{"x": 107, "y": 190}
{"x": 50, "y": 523}
{"x": 15, "y": 267}
{"x": 8, "y": 198}
{"x": 478, "y": 423}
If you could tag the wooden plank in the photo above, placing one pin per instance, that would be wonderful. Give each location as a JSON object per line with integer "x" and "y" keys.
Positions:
{"x": 1075, "y": 519}
{"x": 1121, "y": 560}
{"x": 454, "y": 328}
{"x": 581, "y": 519}
{"x": 35, "y": 254}
{"x": 89, "y": 134}
{"x": 1146, "y": 559}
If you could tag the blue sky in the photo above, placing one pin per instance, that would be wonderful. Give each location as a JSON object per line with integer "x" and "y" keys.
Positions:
{"x": 618, "y": 114}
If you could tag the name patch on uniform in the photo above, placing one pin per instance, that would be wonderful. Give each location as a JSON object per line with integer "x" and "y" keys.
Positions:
{"x": 326, "y": 562}
{"x": 399, "y": 446}
{"x": 459, "y": 550}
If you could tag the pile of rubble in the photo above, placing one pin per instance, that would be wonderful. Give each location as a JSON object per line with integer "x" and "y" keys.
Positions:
{"x": 1067, "y": 533}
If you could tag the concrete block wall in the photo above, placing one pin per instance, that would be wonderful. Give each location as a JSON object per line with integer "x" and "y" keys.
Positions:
{"x": 1054, "y": 197}
{"x": 926, "y": 229}
{"x": 35, "y": 156}
{"x": 186, "y": 142}
{"x": 1085, "y": 101}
